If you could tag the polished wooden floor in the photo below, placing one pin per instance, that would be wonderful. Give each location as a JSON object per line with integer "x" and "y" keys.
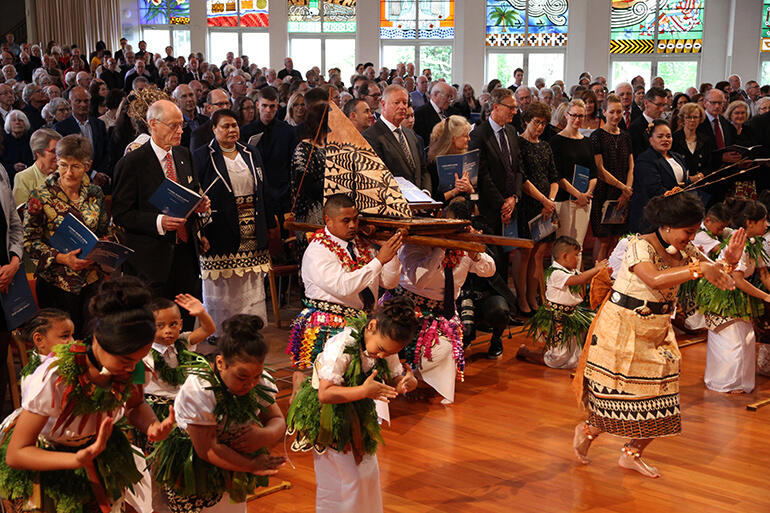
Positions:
{"x": 505, "y": 446}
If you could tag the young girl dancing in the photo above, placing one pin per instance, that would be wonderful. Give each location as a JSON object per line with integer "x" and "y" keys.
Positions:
{"x": 334, "y": 412}
{"x": 730, "y": 355}
{"x": 63, "y": 453}
{"x": 226, "y": 417}
{"x": 47, "y": 329}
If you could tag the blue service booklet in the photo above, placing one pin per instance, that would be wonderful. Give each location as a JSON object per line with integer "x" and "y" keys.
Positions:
{"x": 475, "y": 117}
{"x": 449, "y": 166}
{"x": 17, "y": 302}
{"x": 72, "y": 234}
{"x": 542, "y": 226}
{"x": 175, "y": 200}
{"x": 580, "y": 179}
{"x": 510, "y": 230}
{"x": 412, "y": 194}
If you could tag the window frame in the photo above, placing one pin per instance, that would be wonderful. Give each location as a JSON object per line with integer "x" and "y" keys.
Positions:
{"x": 323, "y": 36}
{"x": 526, "y": 51}
{"x": 417, "y": 44}
{"x": 238, "y": 30}
{"x": 655, "y": 59}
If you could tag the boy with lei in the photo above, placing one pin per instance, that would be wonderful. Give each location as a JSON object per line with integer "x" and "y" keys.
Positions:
{"x": 334, "y": 414}
{"x": 560, "y": 321}
{"x": 432, "y": 278}
{"x": 730, "y": 354}
{"x": 67, "y": 451}
{"x": 227, "y": 417}
{"x": 342, "y": 275}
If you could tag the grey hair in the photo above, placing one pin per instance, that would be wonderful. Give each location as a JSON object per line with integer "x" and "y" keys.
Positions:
{"x": 15, "y": 113}
{"x": 155, "y": 111}
{"x": 29, "y": 90}
{"x": 762, "y": 101}
{"x": 69, "y": 78}
{"x": 138, "y": 80}
{"x": 42, "y": 138}
{"x": 392, "y": 88}
{"x": 623, "y": 84}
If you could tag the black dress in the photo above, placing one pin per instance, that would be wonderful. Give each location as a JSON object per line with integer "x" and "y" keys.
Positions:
{"x": 540, "y": 170}
{"x": 615, "y": 151}
{"x": 307, "y": 187}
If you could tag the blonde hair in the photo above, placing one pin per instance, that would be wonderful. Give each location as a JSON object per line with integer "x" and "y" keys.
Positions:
{"x": 290, "y": 106}
{"x": 734, "y": 105}
{"x": 689, "y": 108}
{"x": 442, "y": 134}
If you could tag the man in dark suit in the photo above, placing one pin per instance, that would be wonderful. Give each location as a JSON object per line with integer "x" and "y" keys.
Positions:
{"x": 430, "y": 114}
{"x": 165, "y": 248}
{"x": 184, "y": 97}
{"x": 193, "y": 73}
{"x": 288, "y": 69}
{"x": 398, "y": 147}
{"x": 94, "y": 129}
{"x": 215, "y": 100}
{"x": 275, "y": 139}
{"x": 717, "y": 129}
{"x": 760, "y": 125}
{"x": 35, "y": 99}
{"x": 500, "y": 168}
{"x": 654, "y": 103}
{"x": 631, "y": 110}
{"x": 111, "y": 75}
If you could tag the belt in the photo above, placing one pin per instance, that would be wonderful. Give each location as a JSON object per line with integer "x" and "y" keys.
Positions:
{"x": 333, "y": 308}
{"x": 641, "y": 306}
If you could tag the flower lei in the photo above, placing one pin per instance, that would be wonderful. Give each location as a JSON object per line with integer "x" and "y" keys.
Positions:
{"x": 452, "y": 257}
{"x": 575, "y": 289}
{"x": 82, "y": 398}
{"x": 33, "y": 362}
{"x": 755, "y": 248}
{"x": 174, "y": 376}
{"x": 365, "y": 249}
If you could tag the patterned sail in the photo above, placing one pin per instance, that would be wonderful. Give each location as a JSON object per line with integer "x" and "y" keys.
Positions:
{"x": 352, "y": 167}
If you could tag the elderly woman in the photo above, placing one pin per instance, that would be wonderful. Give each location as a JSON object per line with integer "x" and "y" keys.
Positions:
{"x": 295, "y": 109}
{"x": 450, "y": 137}
{"x": 541, "y": 183}
{"x": 691, "y": 145}
{"x": 763, "y": 105}
{"x": 61, "y": 109}
{"x": 43, "y": 144}
{"x": 656, "y": 170}
{"x": 245, "y": 109}
{"x": 737, "y": 113}
{"x": 468, "y": 103}
{"x": 234, "y": 267}
{"x": 16, "y": 155}
{"x": 66, "y": 280}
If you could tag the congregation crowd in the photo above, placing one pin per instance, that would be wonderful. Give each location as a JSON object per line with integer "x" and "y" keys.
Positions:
{"x": 94, "y": 135}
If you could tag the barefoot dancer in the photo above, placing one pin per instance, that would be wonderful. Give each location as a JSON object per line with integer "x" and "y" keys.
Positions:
{"x": 628, "y": 377}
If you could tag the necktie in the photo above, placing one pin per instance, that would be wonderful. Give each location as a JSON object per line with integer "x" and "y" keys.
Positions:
{"x": 449, "y": 292}
{"x": 171, "y": 175}
{"x": 509, "y": 178}
{"x": 627, "y": 118}
{"x": 720, "y": 138}
{"x": 366, "y": 295}
{"x": 405, "y": 148}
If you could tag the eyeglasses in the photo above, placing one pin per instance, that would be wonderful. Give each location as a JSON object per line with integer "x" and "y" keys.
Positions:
{"x": 538, "y": 122}
{"x": 657, "y": 104}
{"x": 692, "y": 118}
{"x": 75, "y": 168}
{"x": 511, "y": 107}
{"x": 173, "y": 126}
{"x": 221, "y": 104}
{"x": 576, "y": 116}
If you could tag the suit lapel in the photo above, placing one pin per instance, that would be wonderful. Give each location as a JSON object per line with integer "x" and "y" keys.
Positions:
{"x": 494, "y": 142}
{"x": 391, "y": 139}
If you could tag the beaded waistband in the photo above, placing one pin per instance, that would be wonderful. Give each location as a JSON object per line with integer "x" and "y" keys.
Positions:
{"x": 334, "y": 308}
{"x": 421, "y": 301}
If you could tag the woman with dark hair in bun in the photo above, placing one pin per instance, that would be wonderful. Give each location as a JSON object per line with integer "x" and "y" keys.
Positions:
{"x": 628, "y": 376}
{"x": 75, "y": 402}
{"x": 656, "y": 170}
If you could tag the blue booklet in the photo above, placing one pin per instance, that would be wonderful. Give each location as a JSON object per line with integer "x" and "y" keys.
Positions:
{"x": 72, "y": 234}
{"x": 580, "y": 179}
{"x": 542, "y": 226}
{"x": 450, "y": 165}
{"x": 475, "y": 117}
{"x": 413, "y": 195}
{"x": 17, "y": 302}
{"x": 175, "y": 200}
{"x": 510, "y": 230}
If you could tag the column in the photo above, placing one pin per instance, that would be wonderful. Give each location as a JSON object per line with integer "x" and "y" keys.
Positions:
{"x": 745, "y": 39}
{"x": 589, "y": 39}
{"x": 368, "y": 32}
{"x": 469, "y": 56}
{"x": 278, "y": 30}
{"x": 198, "y": 28}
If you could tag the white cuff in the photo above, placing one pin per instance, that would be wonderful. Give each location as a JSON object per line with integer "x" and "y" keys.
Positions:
{"x": 159, "y": 225}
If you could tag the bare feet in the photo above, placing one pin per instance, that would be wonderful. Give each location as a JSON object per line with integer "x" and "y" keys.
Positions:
{"x": 581, "y": 443}
{"x": 736, "y": 392}
{"x": 632, "y": 462}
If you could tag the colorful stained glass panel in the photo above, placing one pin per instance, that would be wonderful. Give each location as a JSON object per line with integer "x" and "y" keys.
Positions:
{"x": 633, "y": 21}
{"x": 221, "y": 13}
{"x": 305, "y": 15}
{"x": 254, "y": 13}
{"x": 339, "y": 16}
{"x": 153, "y": 12}
{"x": 527, "y": 22}
{"x": 417, "y": 19}
{"x": 765, "y": 42}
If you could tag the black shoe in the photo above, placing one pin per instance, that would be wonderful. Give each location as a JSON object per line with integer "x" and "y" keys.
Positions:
{"x": 515, "y": 321}
{"x": 495, "y": 348}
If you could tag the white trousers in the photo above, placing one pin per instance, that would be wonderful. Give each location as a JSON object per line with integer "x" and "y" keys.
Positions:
{"x": 440, "y": 372}
{"x": 731, "y": 358}
{"x": 344, "y": 487}
{"x": 563, "y": 357}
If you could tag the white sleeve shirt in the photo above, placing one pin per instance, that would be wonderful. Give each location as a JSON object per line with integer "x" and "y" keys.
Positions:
{"x": 161, "y": 154}
{"x": 423, "y": 273}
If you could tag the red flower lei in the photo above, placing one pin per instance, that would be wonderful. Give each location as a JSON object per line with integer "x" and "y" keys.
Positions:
{"x": 365, "y": 250}
{"x": 452, "y": 257}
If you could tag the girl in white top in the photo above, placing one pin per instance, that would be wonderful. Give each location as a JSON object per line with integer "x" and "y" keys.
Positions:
{"x": 72, "y": 401}
{"x": 227, "y": 418}
{"x": 560, "y": 322}
{"x": 344, "y": 380}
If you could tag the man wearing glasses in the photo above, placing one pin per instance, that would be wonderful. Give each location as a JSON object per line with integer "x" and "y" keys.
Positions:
{"x": 716, "y": 128}
{"x": 654, "y": 103}
{"x": 215, "y": 100}
{"x": 90, "y": 127}
{"x": 430, "y": 114}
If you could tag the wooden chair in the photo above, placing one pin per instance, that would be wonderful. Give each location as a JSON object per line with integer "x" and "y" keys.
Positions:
{"x": 279, "y": 247}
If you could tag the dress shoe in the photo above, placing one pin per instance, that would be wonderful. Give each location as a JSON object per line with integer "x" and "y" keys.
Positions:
{"x": 495, "y": 348}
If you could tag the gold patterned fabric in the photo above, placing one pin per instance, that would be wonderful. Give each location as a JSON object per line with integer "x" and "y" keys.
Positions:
{"x": 248, "y": 258}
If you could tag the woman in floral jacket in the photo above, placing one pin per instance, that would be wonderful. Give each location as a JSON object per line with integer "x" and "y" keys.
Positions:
{"x": 66, "y": 280}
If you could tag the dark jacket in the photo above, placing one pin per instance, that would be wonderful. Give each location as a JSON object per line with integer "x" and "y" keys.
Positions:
{"x": 729, "y": 134}
{"x": 640, "y": 139}
{"x": 35, "y": 118}
{"x": 101, "y": 143}
{"x": 492, "y": 183}
{"x": 276, "y": 147}
{"x": 137, "y": 176}
{"x": 14, "y": 151}
{"x": 653, "y": 176}
{"x": 201, "y": 136}
{"x": 223, "y": 233}
{"x": 699, "y": 161}
{"x": 635, "y": 113}
{"x": 387, "y": 147}
{"x": 425, "y": 118}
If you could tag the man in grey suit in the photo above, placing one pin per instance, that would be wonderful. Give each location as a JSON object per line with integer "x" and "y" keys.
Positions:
{"x": 420, "y": 94}
{"x": 398, "y": 147}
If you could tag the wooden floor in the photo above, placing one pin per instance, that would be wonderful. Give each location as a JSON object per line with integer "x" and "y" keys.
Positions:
{"x": 505, "y": 446}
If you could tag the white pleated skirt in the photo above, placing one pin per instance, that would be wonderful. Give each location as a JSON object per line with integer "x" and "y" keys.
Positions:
{"x": 731, "y": 358}
{"x": 344, "y": 487}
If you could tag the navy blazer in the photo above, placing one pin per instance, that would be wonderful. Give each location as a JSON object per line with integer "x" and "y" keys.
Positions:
{"x": 653, "y": 176}
{"x": 223, "y": 233}
{"x": 706, "y": 130}
{"x": 101, "y": 143}
{"x": 387, "y": 147}
{"x": 425, "y": 118}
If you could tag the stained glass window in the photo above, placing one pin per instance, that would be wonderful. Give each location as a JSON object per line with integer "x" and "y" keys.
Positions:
{"x": 332, "y": 16}
{"x": 234, "y": 13}
{"x": 164, "y": 12}
{"x": 765, "y": 42}
{"x": 662, "y": 26}
{"x": 527, "y": 22}
{"x": 417, "y": 19}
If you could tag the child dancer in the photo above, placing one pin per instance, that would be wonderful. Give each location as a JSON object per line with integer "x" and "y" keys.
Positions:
{"x": 48, "y": 328}
{"x": 560, "y": 321}
{"x": 64, "y": 438}
{"x": 226, "y": 416}
{"x": 730, "y": 355}
{"x": 334, "y": 412}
